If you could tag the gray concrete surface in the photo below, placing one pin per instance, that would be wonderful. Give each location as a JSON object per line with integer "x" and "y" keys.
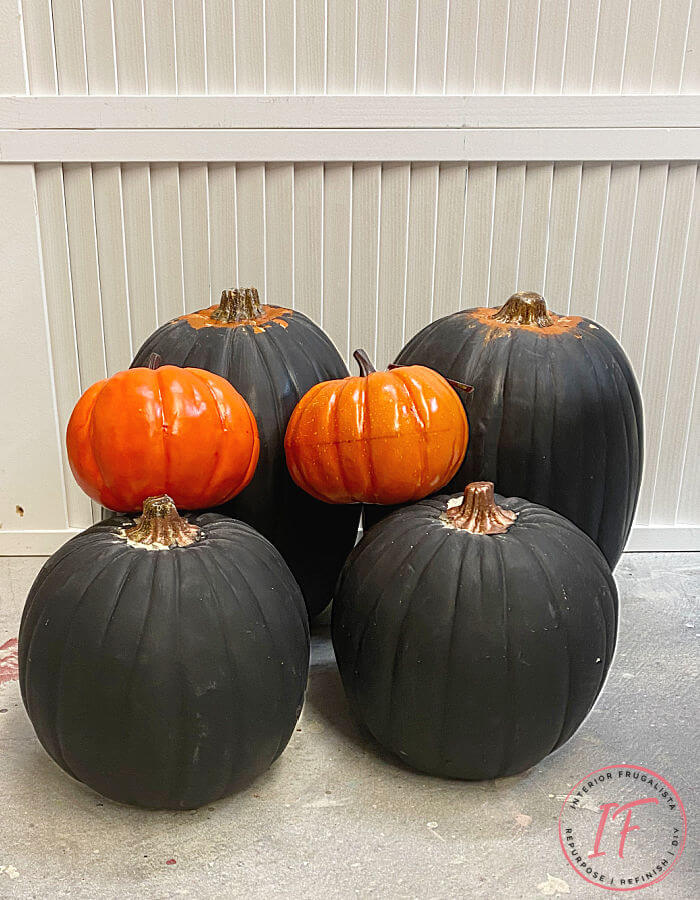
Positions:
{"x": 336, "y": 818}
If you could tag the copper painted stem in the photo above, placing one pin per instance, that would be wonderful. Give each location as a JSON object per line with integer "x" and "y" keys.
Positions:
{"x": 160, "y": 526}
{"x": 238, "y": 305}
{"x": 525, "y": 308}
{"x": 478, "y": 512}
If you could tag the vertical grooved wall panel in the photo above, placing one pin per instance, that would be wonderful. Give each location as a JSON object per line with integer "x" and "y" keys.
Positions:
{"x": 373, "y": 252}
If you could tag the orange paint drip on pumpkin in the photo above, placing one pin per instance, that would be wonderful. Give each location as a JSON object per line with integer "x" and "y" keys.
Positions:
{"x": 270, "y": 315}
{"x": 526, "y": 310}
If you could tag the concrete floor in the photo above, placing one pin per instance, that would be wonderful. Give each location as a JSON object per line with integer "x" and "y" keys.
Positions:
{"x": 336, "y": 818}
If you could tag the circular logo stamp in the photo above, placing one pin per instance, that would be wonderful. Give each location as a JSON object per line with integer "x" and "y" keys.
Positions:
{"x": 622, "y": 827}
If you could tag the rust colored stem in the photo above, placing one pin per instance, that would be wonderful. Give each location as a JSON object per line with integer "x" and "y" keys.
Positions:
{"x": 478, "y": 512}
{"x": 238, "y": 305}
{"x": 525, "y": 308}
{"x": 160, "y": 526}
{"x": 155, "y": 361}
{"x": 364, "y": 362}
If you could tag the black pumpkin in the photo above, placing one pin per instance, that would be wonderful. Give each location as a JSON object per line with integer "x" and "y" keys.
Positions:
{"x": 164, "y": 663}
{"x": 474, "y": 634}
{"x": 272, "y": 356}
{"x": 555, "y": 416}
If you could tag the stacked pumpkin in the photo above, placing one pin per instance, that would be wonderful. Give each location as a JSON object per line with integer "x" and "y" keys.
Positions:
{"x": 472, "y": 632}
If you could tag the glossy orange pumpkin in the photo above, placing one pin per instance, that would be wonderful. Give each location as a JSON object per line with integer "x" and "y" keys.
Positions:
{"x": 183, "y": 432}
{"x": 382, "y": 437}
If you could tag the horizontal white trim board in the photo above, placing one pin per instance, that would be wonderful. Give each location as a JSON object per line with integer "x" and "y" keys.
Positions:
{"x": 350, "y": 145}
{"x": 643, "y": 539}
{"x": 341, "y": 112}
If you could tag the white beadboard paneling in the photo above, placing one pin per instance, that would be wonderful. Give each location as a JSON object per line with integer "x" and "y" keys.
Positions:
{"x": 581, "y": 36}
{"x": 478, "y": 234}
{"x": 673, "y": 498}
{"x": 310, "y": 46}
{"x": 642, "y": 28}
{"x": 130, "y": 46}
{"x": 279, "y": 47}
{"x": 670, "y": 51}
{"x": 341, "y": 45}
{"x": 507, "y": 221}
{"x": 521, "y": 47}
{"x": 534, "y": 230}
{"x": 431, "y": 46}
{"x": 609, "y": 60}
{"x": 551, "y": 46}
{"x": 85, "y": 276}
{"x": 39, "y": 43}
{"x": 189, "y": 47}
{"x": 279, "y": 225}
{"x": 111, "y": 257}
{"x": 590, "y": 231}
{"x": 51, "y": 210}
{"x": 223, "y": 255}
{"x": 159, "y": 30}
{"x": 136, "y": 199}
{"x": 563, "y": 215}
{"x": 364, "y": 260}
{"x": 689, "y": 494}
{"x": 617, "y": 243}
{"x": 336, "y": 46}
{"x": 665, "y": 324}
{"x": 308, "y": 239}
{"x": 167, "y": 239}
{"x": 69, "y": 47}
{"x": 449, "y": 237}
{"x": 250, "y": 225}
{"x": 642, "y": 262}
{"x": 401, "y": 46}
{"x": 99, "y": 43}
{"x": 370, "y": 75}
{"x": 392, "y": 262}
{"x": 194, "y": 219}
{"x": 690, "y": 79}
{"x": 249, "y": 48}
{"x": 337, "y": 206}
{"x": 460, "y": 65}
{"x": 221, "y": 61}
{"x": 422, "y": 232}
{"x": 31, "y": 463}
{"x": 491, "y": 45}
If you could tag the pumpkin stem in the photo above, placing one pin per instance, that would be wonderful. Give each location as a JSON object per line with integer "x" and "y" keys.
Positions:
{"x": 478, "y": 512}
{"x": 238, "y": 305}
{"x": 160, "y": 527}
{"x": 155, "y": 361}
{"x": 525, "y": 308}
{"x": 364, "y": 362}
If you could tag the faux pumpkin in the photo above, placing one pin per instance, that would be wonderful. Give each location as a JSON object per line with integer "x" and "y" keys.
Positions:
{"x": 162, "y": 429}
{"x": 555, "y": 416}
{"x": 273, "y": 356}
{"x": 163, "y": 661}
{"x": 382, "y": 437}
{"x": 474, "y": 633}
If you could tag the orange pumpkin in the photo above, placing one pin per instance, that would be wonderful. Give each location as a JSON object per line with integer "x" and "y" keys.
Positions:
{"x": 382, "y": 437}
{"x": 183, "y": 432}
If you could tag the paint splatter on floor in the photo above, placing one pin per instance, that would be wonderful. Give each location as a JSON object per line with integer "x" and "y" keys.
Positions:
{"x": 170, "y": 862}
{"x": 9, "y": 663}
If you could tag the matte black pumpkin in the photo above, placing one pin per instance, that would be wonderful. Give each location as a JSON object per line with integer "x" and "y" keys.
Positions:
{"x": 555, "y": 416}
{"x": 164, "y": 663}
{"x": 272, "y": 356}
{"x": 473, "y": 634}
